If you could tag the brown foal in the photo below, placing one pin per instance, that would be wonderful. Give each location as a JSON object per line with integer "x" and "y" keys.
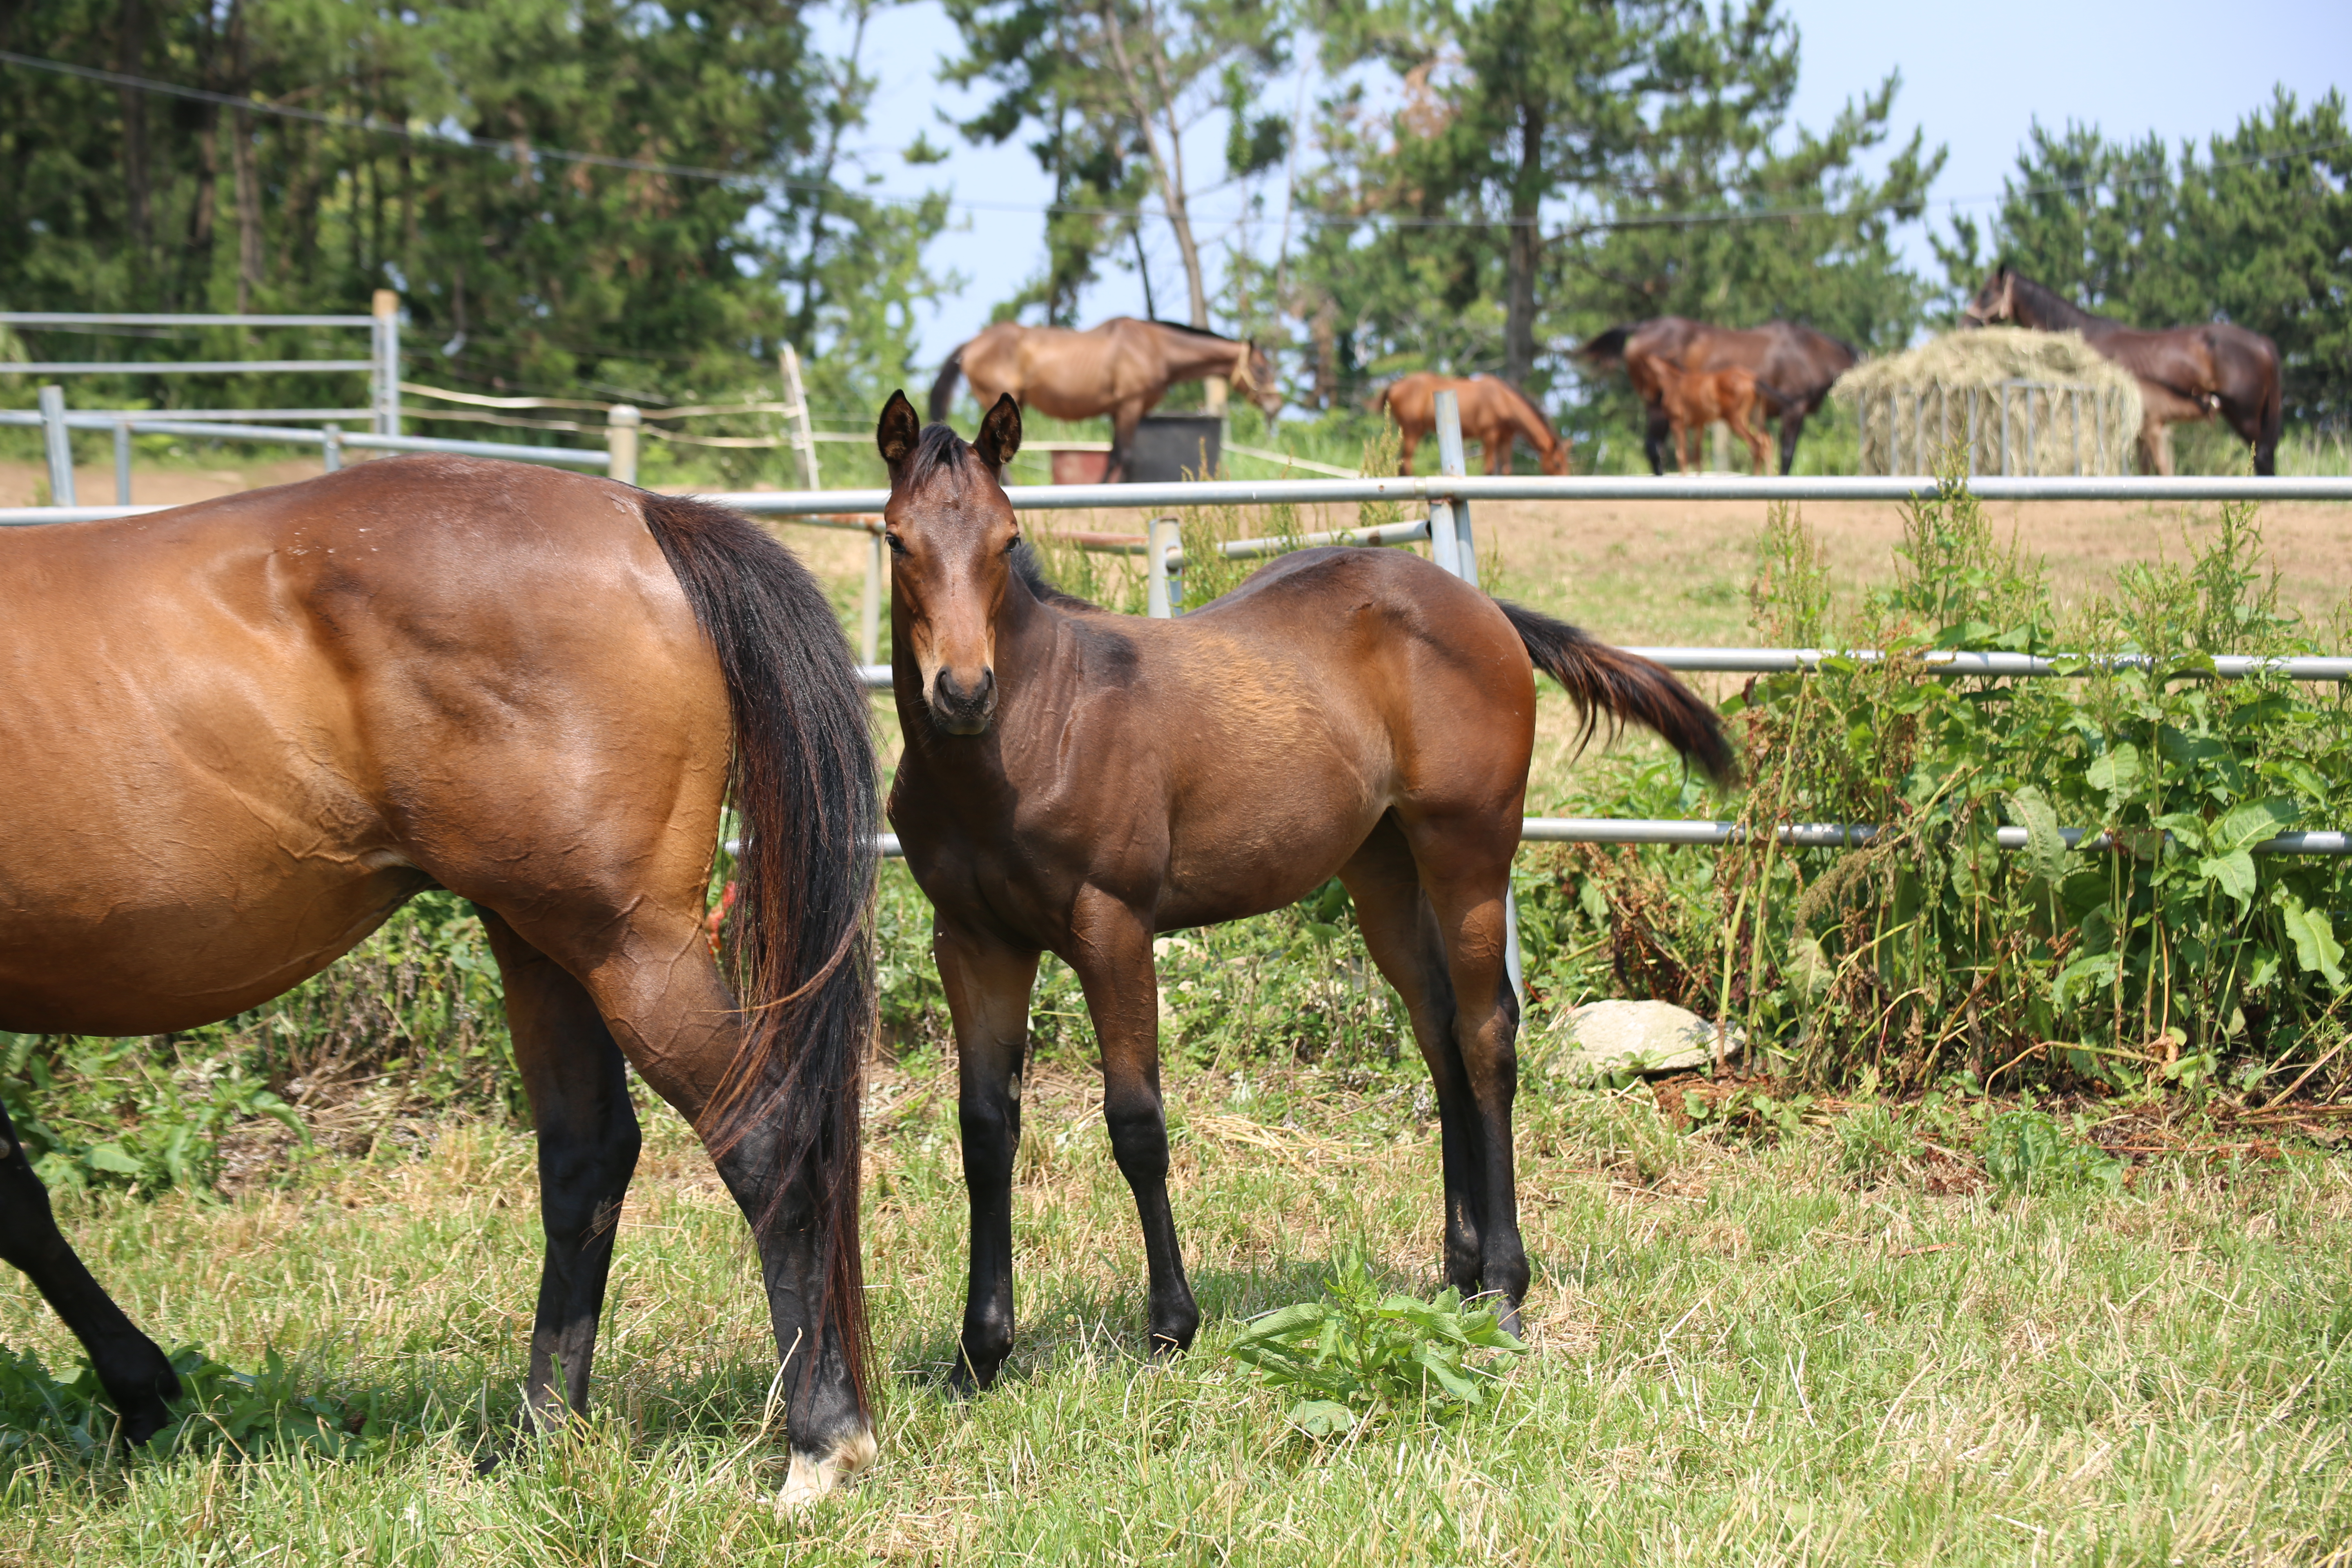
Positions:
{"x": 1076, "y": 780}
{"x": 241, "y": 733}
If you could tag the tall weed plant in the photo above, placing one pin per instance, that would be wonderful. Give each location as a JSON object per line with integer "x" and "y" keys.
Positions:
{"x": 2168, "y": 952}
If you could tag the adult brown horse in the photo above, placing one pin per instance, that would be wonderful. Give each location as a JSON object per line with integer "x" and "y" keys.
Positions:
{"x": 241, "y": 733}
{"x": 1122, "y": 368}
{"x": 2184, "y": 373}
{"x": 1495, "y": 413}
{"x": 1801, "y": 363}
{"x": 1075, "y": 781}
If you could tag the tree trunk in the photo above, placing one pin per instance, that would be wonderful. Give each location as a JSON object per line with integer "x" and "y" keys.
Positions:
{"x": 247, "y": 181}
{"x": 1523, "y": 252}
{"x": 129, "y": 54}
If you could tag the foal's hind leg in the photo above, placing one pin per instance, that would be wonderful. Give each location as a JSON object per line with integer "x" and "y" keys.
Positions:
{"x": 1400, "y": 933}
{"x": 588, "y": 1142}
{"x": 132, "y": 1371}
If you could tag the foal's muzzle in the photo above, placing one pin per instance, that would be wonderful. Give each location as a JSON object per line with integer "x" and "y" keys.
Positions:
{"x": 961, "y": 711}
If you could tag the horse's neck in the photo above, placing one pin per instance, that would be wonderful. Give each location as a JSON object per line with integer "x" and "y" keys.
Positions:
{"x": 1522, "y": 414}
{"x": 2050, "y": 311}
{"x": 1190, "y": 354}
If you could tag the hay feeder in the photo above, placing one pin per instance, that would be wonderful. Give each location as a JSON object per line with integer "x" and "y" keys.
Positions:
{"x": 2005, "y": 400}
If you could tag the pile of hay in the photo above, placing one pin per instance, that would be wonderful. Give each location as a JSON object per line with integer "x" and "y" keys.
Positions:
{"x": 2008, "y": 400}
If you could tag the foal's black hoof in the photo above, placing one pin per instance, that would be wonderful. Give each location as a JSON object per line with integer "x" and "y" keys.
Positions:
{"x": 974, "y": 1374}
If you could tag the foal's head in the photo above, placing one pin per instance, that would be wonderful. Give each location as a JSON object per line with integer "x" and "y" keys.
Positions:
{"x": 951, "y": 535}
{"x": 1995, "y": 302}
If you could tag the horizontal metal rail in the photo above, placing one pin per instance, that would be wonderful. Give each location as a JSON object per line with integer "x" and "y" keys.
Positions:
{"x": 77, "y": 318}
{"x": 1796, "y": 835}
{"x": 1844, "y": 835}
{"x": 1953, "y": 661}
{"x": 1575, "y": 487}
{"x": 177, "y": 366}
{"x": 108, "y": 418}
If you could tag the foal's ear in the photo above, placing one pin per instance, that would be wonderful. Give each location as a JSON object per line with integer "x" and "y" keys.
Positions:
{"x": 896, "y": 432}
{"x": 1000, "y": 433}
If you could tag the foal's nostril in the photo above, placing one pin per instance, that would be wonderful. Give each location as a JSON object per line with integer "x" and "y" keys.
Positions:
{"x": 951, "y": 699}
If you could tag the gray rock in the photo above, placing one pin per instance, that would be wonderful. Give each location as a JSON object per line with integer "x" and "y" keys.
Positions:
{"x": 1601, "y": 1038}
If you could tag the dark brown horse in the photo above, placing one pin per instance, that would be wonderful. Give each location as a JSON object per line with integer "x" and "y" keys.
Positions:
{"x": 1798, "y": 362}
{"x": 1076, "y": 780}
{"x": 2184, "y": 373}
{"x": 1495, "y": 413}
{"x": 241, "y": 733}
{"x": 1122, "y": 368}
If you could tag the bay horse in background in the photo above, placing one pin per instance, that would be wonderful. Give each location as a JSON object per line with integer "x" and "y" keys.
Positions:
{"x": 1801, "y": 363}
{"x": 2184, "y": 373}
{"x": 1495, "y": 413}
{"x": 242, "y": 734}
{"x": 1695, "y": 399}
{"x": 1074, "y": 781}
{"x": 1122, "y": 368}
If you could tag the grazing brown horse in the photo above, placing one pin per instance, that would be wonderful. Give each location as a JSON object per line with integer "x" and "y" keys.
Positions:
{"x": 1076, "y": 780}
{"x": 1122, "y": 368}
{"x": 241, "y": 733}
{"x": 1801, "y": 363}
{"x": 2184, "y": 373}
{"x": 1695, "y": 399}
{"x": 1494, "y": 413}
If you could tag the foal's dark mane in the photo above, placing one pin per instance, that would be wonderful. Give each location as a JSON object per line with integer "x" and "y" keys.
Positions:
{"x": 1031, "y": 572}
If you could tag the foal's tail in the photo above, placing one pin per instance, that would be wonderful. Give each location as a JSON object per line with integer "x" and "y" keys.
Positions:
{"x": 2270, "y": 420}
{"x": 1625, "y": 686}
{"x": 803, "y": 786}
{"x": 943, "y": 389}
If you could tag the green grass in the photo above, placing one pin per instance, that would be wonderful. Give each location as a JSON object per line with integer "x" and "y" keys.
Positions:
{"x": 1740, "y": 1353}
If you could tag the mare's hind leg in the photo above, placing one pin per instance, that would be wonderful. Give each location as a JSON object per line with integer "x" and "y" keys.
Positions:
{"x": 988, "y": 987}
{"x": 1113, "y": 960}
{"x": 132, "y": 1370}
{"x": 1400, "y": 933}
{"x": 588, "y": 1143}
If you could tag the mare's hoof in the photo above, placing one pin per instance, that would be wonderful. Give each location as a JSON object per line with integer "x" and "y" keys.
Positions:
{"x": 812, "y": 1476}
{"x": 144, "y": 1402}
{"x": 1174, "y": 1340}
{"x": 976, "y": 1368}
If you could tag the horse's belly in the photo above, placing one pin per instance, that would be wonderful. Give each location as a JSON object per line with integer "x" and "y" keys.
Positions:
{"x": 163, "y": 931}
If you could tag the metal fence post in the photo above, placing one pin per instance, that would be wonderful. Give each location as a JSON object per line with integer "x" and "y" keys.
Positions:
{"x": 331, "y": 449}
{"x": 1465, "y": 565}
{"x": 387, "y": 362}
{"x": 1444, "y": 546}
{"x": 1163, "y": 534}
{"x": 869, "y": 609}
{"x": 123, "y": 462}
{"x": 621, "y": 424}
{"x": 59, "y": 442}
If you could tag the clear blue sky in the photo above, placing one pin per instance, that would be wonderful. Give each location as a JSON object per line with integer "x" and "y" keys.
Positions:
{"x": 1975, "y": 75}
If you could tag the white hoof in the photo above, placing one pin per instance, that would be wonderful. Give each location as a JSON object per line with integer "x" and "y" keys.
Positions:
{"x": 810, "y": 1480}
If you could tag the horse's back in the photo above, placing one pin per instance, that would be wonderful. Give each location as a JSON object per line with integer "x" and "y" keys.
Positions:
{"x": 247, "y": 729}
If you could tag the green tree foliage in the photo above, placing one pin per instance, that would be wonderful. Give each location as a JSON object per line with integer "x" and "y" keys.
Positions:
{"x": 1548, "y": 170}
{"x": 1110, "y": 90}
{"x": 2255, "y": 229}
{"x": 521, "y": 266}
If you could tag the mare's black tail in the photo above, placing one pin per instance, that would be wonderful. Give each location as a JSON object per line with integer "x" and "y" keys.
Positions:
{"x": 1626, "y": 687}
{"x": 1609, "y": 347}
{"x": 943, "y": 389}
{"x": 798, "y": 953}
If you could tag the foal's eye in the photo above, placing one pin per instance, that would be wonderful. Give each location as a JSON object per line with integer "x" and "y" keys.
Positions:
{"x": 897, "y": 545}
{"x": 1015, "y": 545}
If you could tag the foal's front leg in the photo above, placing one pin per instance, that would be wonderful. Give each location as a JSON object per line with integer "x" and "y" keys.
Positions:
{"x": 1113, "y": 961}
{"x": 988, "y": 989}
